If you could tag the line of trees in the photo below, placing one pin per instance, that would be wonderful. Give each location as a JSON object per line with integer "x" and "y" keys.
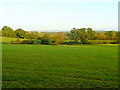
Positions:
{"x": 19, "y": 33}
{"x": 46, "y": 38}
{"x": 82, "y": 34}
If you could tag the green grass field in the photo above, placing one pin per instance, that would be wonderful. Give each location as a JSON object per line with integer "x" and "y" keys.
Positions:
{"x": 57, "y": 66}
{"x": 8, "y": 39}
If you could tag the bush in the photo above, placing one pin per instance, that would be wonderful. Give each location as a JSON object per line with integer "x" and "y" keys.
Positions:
{"x": 106, "y": 42}
{"x": 17, "y": 41}
{"x": 36, "y": 42}
{"x": 72, "y": 42}
{"x": 46, "y": 39}
{"x": 100, "y": 42}
{"x": 27, "y": 42}
{"x": 114, "y": 42}
{"x": 118, "y": 40}
{"x": 84, "y": 41}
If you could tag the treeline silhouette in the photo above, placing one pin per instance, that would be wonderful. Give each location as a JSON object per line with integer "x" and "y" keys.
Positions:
{"x": 74, "y": 36}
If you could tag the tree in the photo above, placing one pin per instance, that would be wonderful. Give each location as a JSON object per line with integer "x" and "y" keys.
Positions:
{"x": 0, "y": 32}
{"x": 41, "y": 35}
{"x": 67, "y": 35}
{"x": 8, "y": 32}
{"x": 20, "y": 33}
{"x": 101, "y": 36}
{"x": 118, "y": 37}
{"x": 53, "y": 38}
{"x": 61, "y": 37}
{"x": 29, "y": 35}
{"x": 74, "y": 34}
{"x": 111, "y": 35}
{"x": 36, "y": 35}
{"x": 79, "y": 34}
{"x": 32, "y": 35}
{"x": 58, "y": 38}
{"x": 91, "y": 34}
{"x": 46, "y": 39}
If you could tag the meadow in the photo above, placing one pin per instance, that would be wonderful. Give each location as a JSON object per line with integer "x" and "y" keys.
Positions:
{"x": 8, "y": 39}
{"x": 59, "y": 66}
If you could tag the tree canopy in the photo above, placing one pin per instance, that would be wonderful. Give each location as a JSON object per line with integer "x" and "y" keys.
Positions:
{"x": 8, "y": 32}
{"x": 20, "y": 33}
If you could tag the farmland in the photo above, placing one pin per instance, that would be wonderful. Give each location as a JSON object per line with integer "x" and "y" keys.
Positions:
{"x": 59, "y": 44}
{"x": 59, "y": 66}
{"x": 8, "y": 39}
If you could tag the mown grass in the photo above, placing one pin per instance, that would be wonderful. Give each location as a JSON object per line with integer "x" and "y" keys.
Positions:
{"x": 52, "y": 66}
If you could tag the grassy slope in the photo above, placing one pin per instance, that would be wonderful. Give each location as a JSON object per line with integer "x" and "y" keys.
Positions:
{"x": 42, "y": 66}
{"x": 8, "y": 39}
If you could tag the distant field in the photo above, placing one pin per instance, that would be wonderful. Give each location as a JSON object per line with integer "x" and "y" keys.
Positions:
{"x": 52, "y": 66}
{"x": 8, "y": 39}
{"x": 91, "y": 40}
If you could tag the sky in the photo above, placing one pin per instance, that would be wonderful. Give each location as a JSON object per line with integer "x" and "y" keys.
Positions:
{"x": 59, "y": 15}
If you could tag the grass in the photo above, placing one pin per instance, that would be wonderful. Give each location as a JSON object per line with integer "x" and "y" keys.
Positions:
{"x": 8, "y": 39}
{"x": 91, "y": 40}
{"x": 62, "y": 66}
{"x": 102, "y": 40}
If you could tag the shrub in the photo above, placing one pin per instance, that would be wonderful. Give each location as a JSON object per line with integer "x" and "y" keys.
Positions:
{"x": 118, "y": 40}
{"x": 27, "y": 42}
{"x": 106, "y": 42}
{"x": 36, "y": 42}
{"x": 46, "y": 39}
{"x": 17, "y": 41}
{"x": 100, "y": 42}
{"x": 115, "y": 42}
{"x": 72, "y": 42}
{"x": 84, "y": 41}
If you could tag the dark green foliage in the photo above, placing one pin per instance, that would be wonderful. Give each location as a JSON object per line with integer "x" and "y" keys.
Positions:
{"x": 91, "y": 34}
{"x": 84, "y": 41}
{"x": 32, "y": 35}
{"x": 29, "y": 36}
{"x": 35, "y": 35}
{"x": 118, "y": 37}
{"x": 56, "y": 38}
{"x": 27, "y": 42}
{"x": 79, "y": 34}
{"x": 83, "y": 35}
{"x": 47, "y": 39}
{"x": 101, "y": 42}
{"x": 74, "y": 34}
{"x": 0, "y": 32}
{"x": 67, "y": 35}
{"x": 111, "y": 35}
{"x": 118, "y": 41}
{"x": 17, "y": 41}
{"x": 72, "y": 42}
{"x": 8, "y": 32}
{"x": 37, "y": 41}
{"x": 20, "y": 33}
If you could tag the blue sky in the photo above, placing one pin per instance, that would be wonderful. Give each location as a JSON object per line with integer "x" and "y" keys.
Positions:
{"x": 59, "y": 15}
